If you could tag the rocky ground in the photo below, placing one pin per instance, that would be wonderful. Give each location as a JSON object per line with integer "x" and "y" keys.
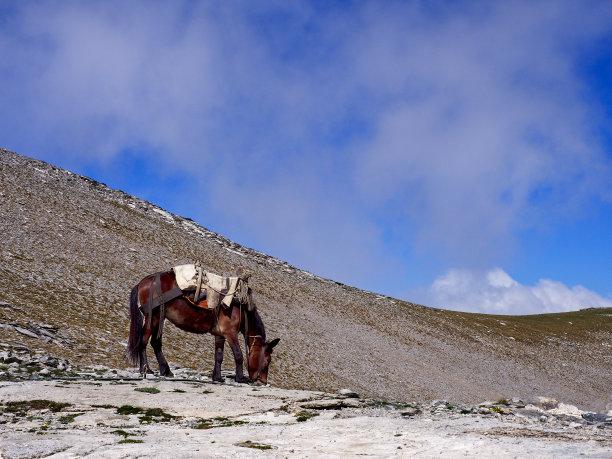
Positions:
{"x": 52, "y": 408}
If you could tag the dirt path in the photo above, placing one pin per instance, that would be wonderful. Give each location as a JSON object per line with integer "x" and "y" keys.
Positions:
{"x": 168, "y": 418}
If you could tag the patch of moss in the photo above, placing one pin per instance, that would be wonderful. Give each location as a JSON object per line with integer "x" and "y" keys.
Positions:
{"x": 131, "y": 440}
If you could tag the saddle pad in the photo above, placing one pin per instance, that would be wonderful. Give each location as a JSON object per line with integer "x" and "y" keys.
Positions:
{"x": 220, "y": 289}
{"x": 226, "y": 286}
{"x": 186, "y": 276}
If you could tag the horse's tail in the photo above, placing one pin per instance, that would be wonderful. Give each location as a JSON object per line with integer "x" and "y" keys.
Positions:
{"x": 135, "y": 339}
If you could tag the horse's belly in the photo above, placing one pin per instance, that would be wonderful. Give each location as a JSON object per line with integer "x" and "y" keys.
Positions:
{"x": 189, "y": 319}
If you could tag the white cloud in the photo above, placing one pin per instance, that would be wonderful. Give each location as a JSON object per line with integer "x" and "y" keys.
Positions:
{"x": 485, "y": 129}
{"x": 447, "y": 128}
{"x": 495, "y": 292}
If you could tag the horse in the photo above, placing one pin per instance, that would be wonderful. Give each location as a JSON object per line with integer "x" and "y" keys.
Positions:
{"x": 224, "y": 323}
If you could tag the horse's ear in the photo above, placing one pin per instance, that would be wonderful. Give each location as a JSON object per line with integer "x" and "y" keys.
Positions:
{"x": 273, "y": 343}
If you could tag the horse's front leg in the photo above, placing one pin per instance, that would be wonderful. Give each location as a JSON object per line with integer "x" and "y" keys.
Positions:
{"x": 219, "y": 344}
{"x": 235, "y": 345}
{"x": 156, "y": 343}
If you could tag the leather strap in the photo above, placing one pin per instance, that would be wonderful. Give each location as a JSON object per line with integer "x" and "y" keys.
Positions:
{"x": 161, "y": 299}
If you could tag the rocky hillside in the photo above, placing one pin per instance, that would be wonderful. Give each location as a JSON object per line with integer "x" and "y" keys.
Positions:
{"x": 72, "y": 248}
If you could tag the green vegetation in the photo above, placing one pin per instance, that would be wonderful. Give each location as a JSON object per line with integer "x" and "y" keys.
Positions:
{"x": 149, "y": 390}
{"x": 21, "y": 408}
{"x": 129, "y": 409}
{"x": 148, "y": 416}
{"x": 305, "y": 415}
{"x": 502, "y": 401}
{"x": 67, "y": 419}
{"x": 218, "y": 422}
{"x": 575, "y": 326}
{"x": 131, "y": 440}
{"x": 396, "y": 405}
{"x": 123, "y": 432}
{"x": 180, "y": 391}
{"x": 156, "y": 415}
{"x": 251, "y": 444}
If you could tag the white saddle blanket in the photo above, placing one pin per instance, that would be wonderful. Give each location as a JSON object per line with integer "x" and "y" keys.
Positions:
{"x": 216, "y": 286}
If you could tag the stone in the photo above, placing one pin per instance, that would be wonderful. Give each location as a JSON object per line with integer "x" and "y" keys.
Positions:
{"x": 436, "y": 403}
{"x": 410, "y": 411}
{"x": 546, "y": 403}
{"x": 348, "y": 393}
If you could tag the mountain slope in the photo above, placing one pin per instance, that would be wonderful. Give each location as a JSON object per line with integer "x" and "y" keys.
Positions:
{"x": 72, "y": 248}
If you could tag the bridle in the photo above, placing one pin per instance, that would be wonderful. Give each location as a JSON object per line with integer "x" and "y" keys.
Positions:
{"x": 249, "y": 346}
{"x": 261, "y": 355}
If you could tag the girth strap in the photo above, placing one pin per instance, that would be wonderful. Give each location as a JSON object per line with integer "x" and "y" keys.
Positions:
{"x": 153, "y": 303}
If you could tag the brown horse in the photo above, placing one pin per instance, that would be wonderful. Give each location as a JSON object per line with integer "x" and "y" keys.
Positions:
{"x": 223, "y": 323}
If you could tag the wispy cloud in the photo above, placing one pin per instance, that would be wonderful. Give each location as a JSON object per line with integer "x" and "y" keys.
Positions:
{"x": 354, "y": 134}
{"x": 495, "y": 292}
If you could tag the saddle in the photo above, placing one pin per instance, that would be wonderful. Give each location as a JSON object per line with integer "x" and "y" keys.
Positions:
{"x": 198, "y": 284}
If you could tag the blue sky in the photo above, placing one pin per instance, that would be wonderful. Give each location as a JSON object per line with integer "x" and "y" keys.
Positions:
{"x": 456, "y": 154}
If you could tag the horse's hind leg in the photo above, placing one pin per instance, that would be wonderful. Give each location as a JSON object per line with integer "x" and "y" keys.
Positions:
{"x": 144, "y": 364}
{"x": 219, "y": 344}
{"x": 164, "y": 368}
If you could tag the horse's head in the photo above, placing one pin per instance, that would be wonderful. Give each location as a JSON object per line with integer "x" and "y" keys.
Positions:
{"x": 260, "y": 355}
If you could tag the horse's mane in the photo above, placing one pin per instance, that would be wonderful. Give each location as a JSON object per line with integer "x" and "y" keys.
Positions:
{"x": 259, "y": 324}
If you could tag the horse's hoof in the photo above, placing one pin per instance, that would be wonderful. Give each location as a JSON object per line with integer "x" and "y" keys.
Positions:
{"x": 168, "y": 375}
